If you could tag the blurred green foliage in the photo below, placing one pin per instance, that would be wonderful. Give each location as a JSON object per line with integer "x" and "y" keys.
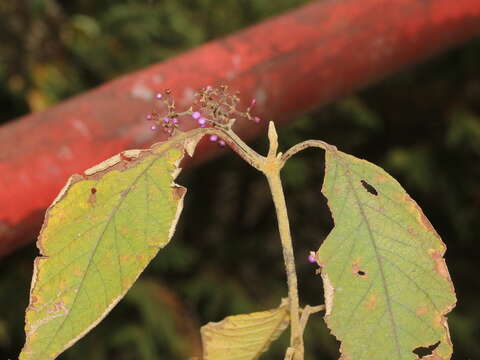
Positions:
{"x": 423, "y": 126}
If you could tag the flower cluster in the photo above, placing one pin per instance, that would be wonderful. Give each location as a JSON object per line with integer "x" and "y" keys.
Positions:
{"x": 168, "y": 122}
{"x": 212, "y": 107}
{"x": 218, "y": 107}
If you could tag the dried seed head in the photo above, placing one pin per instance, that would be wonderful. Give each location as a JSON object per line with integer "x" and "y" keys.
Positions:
{"x": 212, "y": 107}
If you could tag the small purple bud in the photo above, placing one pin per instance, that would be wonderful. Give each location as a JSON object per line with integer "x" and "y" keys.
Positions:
{"x": 202, "y": 122}
{"x": 196, "y": 115}
{"x": 149, "y": 117}
{"x": 256, "y": 119}
{"x": 311, "y": 257}
{"x": 153, "y": 127}
{"x": 158, "y": 96}
{"x": 221, "y": 143}
{"x": 166, "y": 120}
{"x": 213, "y": 138}
{"x": 175, "y": 121}
{"x": 254, "y": 101}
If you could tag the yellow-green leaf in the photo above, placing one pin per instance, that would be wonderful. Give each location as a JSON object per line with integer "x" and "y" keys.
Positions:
{"x": 244, "y": 337}
{"x": 387, "y": 288}
{"x": 99, "y": 234}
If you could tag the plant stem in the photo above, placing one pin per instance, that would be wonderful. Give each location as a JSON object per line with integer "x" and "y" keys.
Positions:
{"x": 304, "y": 145}
{"x": 296, "y": 340}
{"x": 271, "y": 166}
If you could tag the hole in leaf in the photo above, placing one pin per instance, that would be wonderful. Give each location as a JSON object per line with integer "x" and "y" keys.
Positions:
{"x": 93, "y": 190}
{"x": 369, "y": 188}
{"x": 361, "y": 273}
{"x": 422, "y": 351}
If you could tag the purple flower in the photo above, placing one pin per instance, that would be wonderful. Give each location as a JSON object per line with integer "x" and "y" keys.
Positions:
{"x": 213, "y": 138}
{"x": 221, "y": 143}
{"x": 175, "y": 121}
{"x": 153, "y": 127}
{"x": 149, "y": 117}
{"x": 158, "y": 96}
{"x": 166, "y": 120}
{"x": 196, "y": 115}
{"x": 254, "y": 101}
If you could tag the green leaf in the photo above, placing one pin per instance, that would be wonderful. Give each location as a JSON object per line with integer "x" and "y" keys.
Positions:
{"x": 244, "y": 337}
{"x": 99, "y": 234}
{"x": 387, "y": 288}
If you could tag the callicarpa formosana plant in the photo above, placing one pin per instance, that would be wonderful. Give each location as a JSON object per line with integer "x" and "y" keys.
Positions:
{"x": 387, "y": 288}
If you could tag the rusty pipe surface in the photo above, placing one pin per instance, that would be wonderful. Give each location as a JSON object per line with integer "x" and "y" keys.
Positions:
{"x": 290, "y": 63}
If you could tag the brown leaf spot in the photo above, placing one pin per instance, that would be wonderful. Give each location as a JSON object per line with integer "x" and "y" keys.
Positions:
{"x": 356, "y": 270}
{"x": 178, "y": 192}
{"x": 381, "y": 178}
{"x": 421, "y": 310}
{"x": 438, "y": 321}
{"x": 372, "y": 302}
{"x": 58, "y": 307}
{"x": 440, "y": 265}
{"x": 92, "y": 199}
{"x": 420, "y": 215}
{"x": 62, "y": 285}
{"x": 126, "y": 283}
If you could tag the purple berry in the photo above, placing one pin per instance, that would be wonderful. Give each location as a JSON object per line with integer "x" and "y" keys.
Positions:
{"x": 153, "y": 127}
{"x": 213, "y": 138}
{"x": 311, "y": 257}
{"x": 221, "y": 143}
{"x": 202, "y": 122}
{"x": 196, "y": 115}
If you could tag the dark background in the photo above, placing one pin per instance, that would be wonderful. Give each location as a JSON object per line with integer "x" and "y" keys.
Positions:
{"x": 422, "y": 125}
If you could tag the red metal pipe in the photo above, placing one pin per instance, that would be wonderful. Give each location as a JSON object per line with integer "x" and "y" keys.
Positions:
{"x": 291, "y": 63}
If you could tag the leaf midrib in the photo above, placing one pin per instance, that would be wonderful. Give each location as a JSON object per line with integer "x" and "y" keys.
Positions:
{"x": 377, "y": 256}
